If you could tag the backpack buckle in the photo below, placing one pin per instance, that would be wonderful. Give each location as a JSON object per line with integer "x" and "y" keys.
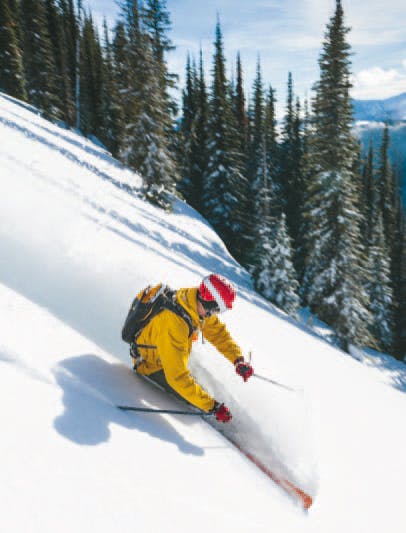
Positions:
{"x": 136, "y": 356}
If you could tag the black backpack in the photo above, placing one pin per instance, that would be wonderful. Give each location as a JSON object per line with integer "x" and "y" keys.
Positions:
{"x": 147, "y": 304}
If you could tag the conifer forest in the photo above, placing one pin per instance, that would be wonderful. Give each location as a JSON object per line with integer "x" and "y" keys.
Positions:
{"x": 316, "y": 223}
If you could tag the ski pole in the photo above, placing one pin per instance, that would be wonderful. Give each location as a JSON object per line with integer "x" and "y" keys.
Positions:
{"x": 160, "y": 411}
{"x": 274, "y": 382}
{"x": 268, "y": 379}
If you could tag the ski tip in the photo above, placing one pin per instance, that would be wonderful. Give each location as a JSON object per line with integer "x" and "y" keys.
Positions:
{"x": 305, "y": 499}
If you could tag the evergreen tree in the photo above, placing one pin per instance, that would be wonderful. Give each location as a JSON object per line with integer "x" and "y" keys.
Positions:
{"x": 263, "y": 237}
{"x": 60, "y": 53}
{"x": 157, "y": 20}
{"x": 15, "y": 9}
{"x": 39, "y": 63}
{"x": 187, "y": 132}
{"x": 368, "y": 193}
{"x": 71, "y": 33}
{"x": 146, "y": 145}
{"x": 240, "y": 110}
{"x": 287, "y": 155}
{"x": 307, "y": 171}
{"x": 379, "y": 286}
{"x": 224, "y": 194}
{"x": 386, "y": 188}
{"x": 277, "y": 278}
{"x": 271, "y": 138}
{"x": 11, "y": 66}
{"x": 125, "y": 68}
{"x": 157, "y": 24}
{"x": 399, "y": 273}
{"x": 193, "y": 134}
{"x": 258, "y": 220}
{"x": 400, "y": 328}
{"x": 242, "y": 147}
{"x": 112, "y": 129}
{"x": 335, "y": 271}
{"x": 291, "y": 165}
{"x": 91, "y": 80}
{"x": 257, "y": 137}
{"x": 201, "y": 136}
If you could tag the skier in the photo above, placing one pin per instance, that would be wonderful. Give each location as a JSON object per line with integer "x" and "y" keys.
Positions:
{"x": 163, "y": 347}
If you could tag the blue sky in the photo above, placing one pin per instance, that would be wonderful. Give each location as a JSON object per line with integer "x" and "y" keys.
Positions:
{"x": 287, "y": 35}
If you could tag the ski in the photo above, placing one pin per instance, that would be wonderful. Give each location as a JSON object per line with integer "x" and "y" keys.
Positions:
{"x": 160, "y": 411}
{"x": 297, "y": 494}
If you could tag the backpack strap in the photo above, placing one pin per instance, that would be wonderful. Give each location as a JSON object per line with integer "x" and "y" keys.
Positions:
{"x": 168, "y": 302}
{"x": 171, "y": 304}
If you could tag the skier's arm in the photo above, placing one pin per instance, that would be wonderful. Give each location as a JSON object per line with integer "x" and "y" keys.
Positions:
{"x": 174, "y": 354}
{"x": 217, "y": 334}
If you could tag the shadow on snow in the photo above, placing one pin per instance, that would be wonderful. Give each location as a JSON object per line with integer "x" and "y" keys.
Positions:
{"x": 91, "y": 389}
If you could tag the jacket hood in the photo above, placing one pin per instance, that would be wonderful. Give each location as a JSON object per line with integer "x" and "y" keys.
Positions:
{"x": 188, "y": 300}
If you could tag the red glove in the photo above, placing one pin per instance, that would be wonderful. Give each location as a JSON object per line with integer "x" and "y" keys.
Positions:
{"x": 222, "y": 413}
{"x": 243, "y": 368}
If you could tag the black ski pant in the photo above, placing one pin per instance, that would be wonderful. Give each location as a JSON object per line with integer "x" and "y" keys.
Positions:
{"x": 160, "y": 379}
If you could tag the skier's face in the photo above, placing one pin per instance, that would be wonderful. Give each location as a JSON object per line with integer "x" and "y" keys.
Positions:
{"x": 207, "y": 308}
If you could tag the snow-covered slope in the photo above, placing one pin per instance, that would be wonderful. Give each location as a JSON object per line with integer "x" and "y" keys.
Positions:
{"x": 76, "y": 243}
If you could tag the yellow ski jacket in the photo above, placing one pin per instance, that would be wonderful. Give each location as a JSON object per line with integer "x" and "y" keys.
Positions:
{"x": 168, "y": 336}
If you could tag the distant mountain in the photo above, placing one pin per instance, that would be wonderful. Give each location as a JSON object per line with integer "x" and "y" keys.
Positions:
{"x": 392, "y": 109}
{"x": 370, "y": 118}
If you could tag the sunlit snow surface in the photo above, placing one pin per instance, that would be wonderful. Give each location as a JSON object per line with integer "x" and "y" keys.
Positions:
{"x": 75, "y": 245}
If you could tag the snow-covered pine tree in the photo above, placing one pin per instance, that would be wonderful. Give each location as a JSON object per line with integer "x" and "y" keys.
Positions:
{"x": 154, "y": 128}
{"x": 271, "y": 260}
{"x": 400, "y": 328}
{"x": 12, "y": 79}
{"x": 277, "y": 278}
{"x": 335, "y": 269}
{"x": 263, "y": 232}
{"x": 379, "y": 286}
{"x": 139, "y": 54}
{"x": 127, "y": 39}
{"x": 39, "y": 63}
{"x": 399, "y": 272}
{"x": 386, "y": 186}
{"x": 226, "y": 185}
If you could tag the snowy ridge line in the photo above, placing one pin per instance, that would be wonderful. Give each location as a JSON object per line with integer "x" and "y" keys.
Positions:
{"x": 295, "y": 492}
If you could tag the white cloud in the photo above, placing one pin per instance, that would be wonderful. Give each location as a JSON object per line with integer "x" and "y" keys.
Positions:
{"x": 377, "y": 82}
{"x": 374, "y": 24}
